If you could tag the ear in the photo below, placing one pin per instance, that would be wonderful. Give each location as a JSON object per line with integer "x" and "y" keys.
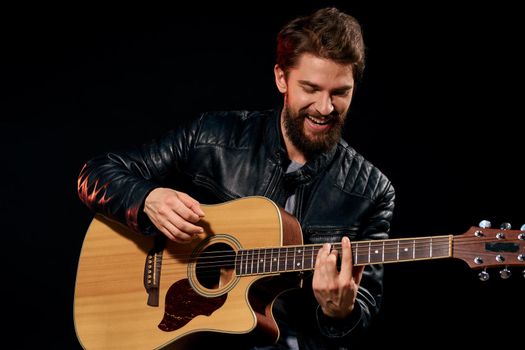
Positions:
{"x": 280, "y": 79}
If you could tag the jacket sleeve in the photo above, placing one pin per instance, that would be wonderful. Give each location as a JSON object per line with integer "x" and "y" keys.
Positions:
{"x": 117, "y": 183}
{"x": 344, "y": 332}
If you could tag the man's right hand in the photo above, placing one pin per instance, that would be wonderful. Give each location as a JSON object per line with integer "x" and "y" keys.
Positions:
{"x": 174, "y": 214}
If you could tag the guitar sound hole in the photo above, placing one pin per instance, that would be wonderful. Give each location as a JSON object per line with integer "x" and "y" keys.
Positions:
{"x": 215, "y": 266}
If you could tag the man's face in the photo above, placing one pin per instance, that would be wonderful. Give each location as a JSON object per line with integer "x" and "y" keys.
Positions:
{"x": 317, "y": 94}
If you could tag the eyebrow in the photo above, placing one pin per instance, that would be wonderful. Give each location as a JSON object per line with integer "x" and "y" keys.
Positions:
{"x": 315, "y": 86}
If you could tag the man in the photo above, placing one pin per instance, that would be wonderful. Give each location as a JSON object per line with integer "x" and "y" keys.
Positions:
{"x": 293, "y": 155}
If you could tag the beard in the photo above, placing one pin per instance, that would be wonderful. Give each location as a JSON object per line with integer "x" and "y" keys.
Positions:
{"x": 312, "y": 146}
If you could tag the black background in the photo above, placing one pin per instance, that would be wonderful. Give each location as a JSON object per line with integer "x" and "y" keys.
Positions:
{"x": 438, "y": 111}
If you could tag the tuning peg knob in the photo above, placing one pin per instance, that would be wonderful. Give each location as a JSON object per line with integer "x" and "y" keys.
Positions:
{"x": 522, "y": 228}
{"x": 484, "y": 276}
{"x": 505, "y": 226}
{"x": 485, "y": 224}
{"x": 505, "y": 273}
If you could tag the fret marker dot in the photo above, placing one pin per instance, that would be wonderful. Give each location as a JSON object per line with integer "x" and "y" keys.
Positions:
{"x": 376, "y": 251}
{"x": 261, "y": 260}
{"x": 406, "y": 249}
{"x": 298, "y": 264}
{"x": 274, "y": 259}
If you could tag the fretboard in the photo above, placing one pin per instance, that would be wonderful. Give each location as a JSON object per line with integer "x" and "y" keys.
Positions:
{"x": 299, "y": 258}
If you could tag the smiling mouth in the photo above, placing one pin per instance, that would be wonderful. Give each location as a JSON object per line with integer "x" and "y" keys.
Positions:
{"x": 319, "y": 121}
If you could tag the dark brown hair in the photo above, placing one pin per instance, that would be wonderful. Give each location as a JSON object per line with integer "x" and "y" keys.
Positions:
{"x": 327, "y": 33}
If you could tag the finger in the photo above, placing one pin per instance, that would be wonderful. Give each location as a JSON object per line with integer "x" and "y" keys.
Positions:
{"x": 184, "y": 212}
{"x": 191, "y": 203}
{"x": 175, "y": 234}
{"x": 185, "y": 226}
{"x": 331, "y": 262}
{"x": 322, "y": 254}
{"x": 346, "y": 259}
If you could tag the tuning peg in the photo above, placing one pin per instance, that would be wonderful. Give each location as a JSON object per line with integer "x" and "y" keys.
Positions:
{"x": 505, "y": 273}
{"x": 485, "y": 224}
{"x": 522, "y": 228}
{"x": 484, "y": 276}
{"x": 505, "y": 226}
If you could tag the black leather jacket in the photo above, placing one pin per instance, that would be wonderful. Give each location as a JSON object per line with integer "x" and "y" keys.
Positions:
{"x": 227, "y": 155}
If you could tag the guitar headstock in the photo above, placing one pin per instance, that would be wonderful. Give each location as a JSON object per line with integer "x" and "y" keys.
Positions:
{"x": 485, "y": 247}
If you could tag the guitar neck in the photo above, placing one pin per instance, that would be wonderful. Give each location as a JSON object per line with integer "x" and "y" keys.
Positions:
{"x": 300, "y": 258}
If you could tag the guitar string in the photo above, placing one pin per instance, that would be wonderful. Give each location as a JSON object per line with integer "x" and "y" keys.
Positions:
{"x": 283, "y": 261}
{"x": 388, "y": 247}
{"x": 285, "y": 265}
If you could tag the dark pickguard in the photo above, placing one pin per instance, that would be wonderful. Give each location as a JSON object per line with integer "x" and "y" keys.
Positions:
{"x": 183, "y": 304}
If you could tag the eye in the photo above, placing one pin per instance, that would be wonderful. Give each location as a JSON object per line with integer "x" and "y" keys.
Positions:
{"x": 309, "y": 89}
{"x": 341, "y": 93}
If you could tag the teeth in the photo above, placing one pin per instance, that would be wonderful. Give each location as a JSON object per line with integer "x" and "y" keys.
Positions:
{"x": 318, "y": 121}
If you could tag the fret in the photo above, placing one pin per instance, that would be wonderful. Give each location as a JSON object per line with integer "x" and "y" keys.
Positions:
{"x": 375, "y": 253}
{"x": 302, "y": 262}
{"x": 391, "y": 251}
{"x": 238, "y": 263}
{"x": 274, "y": 264}
{"x": 355, "y": 254}
{"x": 270, "y": 252}
{"x": 261, "y": 260}
{"x": 310, "y": 263}
{"x": 251, "y": 264}
{"x": 278, "y": 258}
{"x": 265, "y": 261}
{"x": 405, "y": 249}
{"x": 249, "y": 261}
{"x": 291, "y": 259}
{"x": 255, "y": 260}
{"x": 441, "y": 247}
{"x": 298, "y": 260}
{"x": 286, "y": 260}
{"x": 422, "y": 249}
{"x": 258, "y": 266}
{"x": 246, "y": 262}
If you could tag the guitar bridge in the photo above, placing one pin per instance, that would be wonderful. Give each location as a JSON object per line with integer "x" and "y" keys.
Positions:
{"x": 152, "y": 269}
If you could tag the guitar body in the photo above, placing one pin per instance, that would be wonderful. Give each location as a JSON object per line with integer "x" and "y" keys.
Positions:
{"x": 136, "y": 292}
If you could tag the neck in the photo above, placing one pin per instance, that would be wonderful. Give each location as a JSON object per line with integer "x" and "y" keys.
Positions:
{"x": 302, "y": 257}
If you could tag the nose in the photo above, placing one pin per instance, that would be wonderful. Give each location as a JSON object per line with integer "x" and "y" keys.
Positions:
{"x": 324, "y": 105}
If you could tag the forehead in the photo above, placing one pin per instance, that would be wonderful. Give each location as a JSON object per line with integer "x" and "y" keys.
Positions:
{"x": 322, "y": 71}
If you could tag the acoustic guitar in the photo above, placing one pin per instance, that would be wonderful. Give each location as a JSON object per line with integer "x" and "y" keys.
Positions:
{"x": 138, "y": 292}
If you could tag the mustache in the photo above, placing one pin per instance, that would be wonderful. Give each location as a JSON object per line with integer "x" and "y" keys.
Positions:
{"x": 332, "y": 116}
